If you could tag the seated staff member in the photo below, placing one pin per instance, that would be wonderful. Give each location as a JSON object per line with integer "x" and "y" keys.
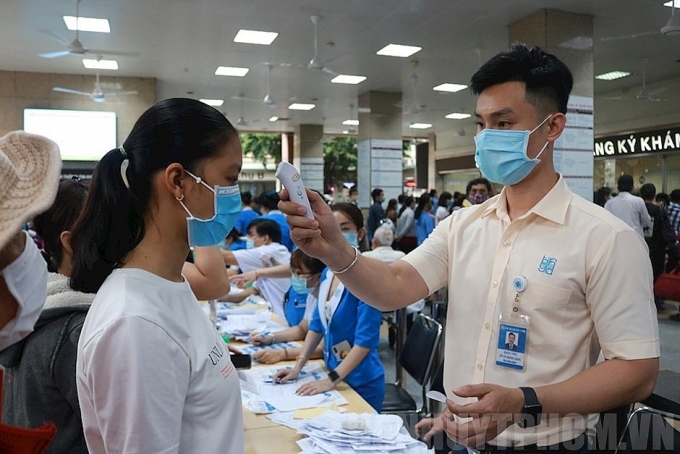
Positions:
{"x": 349, "y": 328}
{"x": 264, "y": 249}
{"x": 299, "y": 306}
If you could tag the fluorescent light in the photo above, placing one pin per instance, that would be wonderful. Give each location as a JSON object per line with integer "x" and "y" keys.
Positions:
{"x": 273, "y": 118}
{"x": 87, "y": 24}
{"x": 420, "y": 125}
{"x": 347, "y": 79}
{"x": 255, "y": 37}
{"x": 231, "y": 71}
{"x": 458, "y": 116}
{"x": 451, "y": 88}
{"x": 351, "y": 122}
{"x": 91, "y": 63}
{"x": 613, "y": 75}
{"x": 345, "y": 132}
{"x": 213, "y": 102}
{"x": 669, "y": 4}
{"x": 398, "y": 50}
{"x": 300, "y": 106}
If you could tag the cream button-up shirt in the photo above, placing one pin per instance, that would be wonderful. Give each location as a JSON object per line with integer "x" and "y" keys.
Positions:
{"x": 589, "y": 289}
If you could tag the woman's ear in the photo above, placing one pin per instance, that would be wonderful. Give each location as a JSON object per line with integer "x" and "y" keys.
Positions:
{"x": 361, "y": 234}
{"x": 174, "y": 173}
{"x": 65, "y": 240}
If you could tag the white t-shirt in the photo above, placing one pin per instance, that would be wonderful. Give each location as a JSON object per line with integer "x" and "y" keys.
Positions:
{"x": 153, "y": 374}
{"x": 272, "y": 289}
{"x": 26, "y": 279}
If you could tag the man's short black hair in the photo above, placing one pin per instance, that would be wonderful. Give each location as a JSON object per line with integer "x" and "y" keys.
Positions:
{"x": 376, "y": 193}
{"x": 264, "y": 226}
{"x": 269, "y": 200}
{"x": 675, "y": 196}
{"x": 246, "y": 197}
{"x": 548, "y": 81}
{"x": 625, "y": 183}
{"x": 477, "y": 181}
{"x": 647, "y": 191}
{"x": 353, "y": 190}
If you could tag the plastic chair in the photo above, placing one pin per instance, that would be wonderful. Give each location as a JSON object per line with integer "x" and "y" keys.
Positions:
{"x": 646, "y": 430}
{"x": 418, "y": 359}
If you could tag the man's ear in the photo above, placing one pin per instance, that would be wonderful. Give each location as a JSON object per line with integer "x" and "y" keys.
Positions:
{"x": 65, "y": 240}
{"x": 556, "y": 123}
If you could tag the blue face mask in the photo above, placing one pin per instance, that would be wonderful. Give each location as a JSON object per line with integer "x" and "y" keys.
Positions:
{"x": 250, "y": 243}
{"x": 209, "y": 232}
{"x": 351, "y": 238}
{"x": 501, "y": 154}
{"x": 299, "y": 284}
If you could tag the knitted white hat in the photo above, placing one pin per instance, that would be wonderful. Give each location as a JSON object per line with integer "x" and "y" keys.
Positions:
{"x": 30, "y": 166}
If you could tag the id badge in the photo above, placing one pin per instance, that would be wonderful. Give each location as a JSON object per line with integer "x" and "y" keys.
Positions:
{"x": 341, "y": 350}
{"x": 513, "y": 342}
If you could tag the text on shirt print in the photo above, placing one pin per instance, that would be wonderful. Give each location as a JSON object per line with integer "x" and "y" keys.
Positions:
{"x": 216, "y": 353}
{"x": 547, "y": 265}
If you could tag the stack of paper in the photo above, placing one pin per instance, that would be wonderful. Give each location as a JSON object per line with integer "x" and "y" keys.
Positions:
{"x": 336, "y": 433}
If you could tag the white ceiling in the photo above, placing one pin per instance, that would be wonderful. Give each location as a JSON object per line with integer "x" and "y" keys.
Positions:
{"x": 181, "y": 43}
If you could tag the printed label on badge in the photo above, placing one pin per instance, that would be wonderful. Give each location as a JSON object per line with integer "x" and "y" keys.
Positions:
{"x": 512, "y": 345}
{"x": 341, "y": 350}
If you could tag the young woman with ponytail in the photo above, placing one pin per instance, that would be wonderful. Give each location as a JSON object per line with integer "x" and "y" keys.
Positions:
{"x": 153, "y": 375}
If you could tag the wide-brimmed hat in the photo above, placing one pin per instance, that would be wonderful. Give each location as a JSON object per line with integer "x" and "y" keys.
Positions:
{"x": 30, "y": 166}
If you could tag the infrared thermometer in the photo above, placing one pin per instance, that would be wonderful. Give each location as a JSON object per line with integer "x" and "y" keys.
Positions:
{"x": 288, "y": 175}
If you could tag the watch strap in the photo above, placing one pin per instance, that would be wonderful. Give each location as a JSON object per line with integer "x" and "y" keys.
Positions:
{"x": 532, "y": 409}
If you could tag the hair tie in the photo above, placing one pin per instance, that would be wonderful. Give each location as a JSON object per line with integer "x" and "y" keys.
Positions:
{"x": 123, "y": 171}
{"x": 122, "y": 151}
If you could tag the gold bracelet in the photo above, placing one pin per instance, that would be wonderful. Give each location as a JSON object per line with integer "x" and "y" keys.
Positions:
{"x": 345, "y": 269}
{"x": 303, "y": 357}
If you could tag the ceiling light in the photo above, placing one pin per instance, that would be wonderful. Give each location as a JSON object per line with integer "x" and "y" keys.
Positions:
{"x": 351, "y": 122}
{"x": 577, "y": 43}
{"x": 670, "y": 4}
{"x": 613, "y": 75}
{"x": 451, "y": 88}
{"x": 420, "y": 125}
{"x": 213, "y": 102}
{"x": 300, "y": 106}
{"x": 457, "y": 116}
{"x": 672, "y": 27}
{"x": 347, "y": 79}
{"x": 255, "y": 37}
{"x": 91, "y": 63}
{"x": 273, "y": 118}
{"x": 398, "y": 50}
{"x": 231, "y": 71}
{"x": 87, "y": 24}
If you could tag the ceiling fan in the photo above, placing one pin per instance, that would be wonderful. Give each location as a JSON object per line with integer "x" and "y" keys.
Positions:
{"x": 98, "y": 95}
{"x": 644, "y": 94}
{"x": 268, "y": 100}
{"x": 316, "y": 63}
{"x": 76, "y": 48}
{"x": 416, "y": 108}
{"x": 671, "y": 28}
{"x": 351, "y": 129}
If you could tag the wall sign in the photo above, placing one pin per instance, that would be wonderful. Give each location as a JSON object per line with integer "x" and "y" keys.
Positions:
{"x": 656, "y": 141}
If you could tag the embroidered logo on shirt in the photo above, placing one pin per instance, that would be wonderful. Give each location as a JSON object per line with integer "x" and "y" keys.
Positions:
{"x": 547, "y": 265}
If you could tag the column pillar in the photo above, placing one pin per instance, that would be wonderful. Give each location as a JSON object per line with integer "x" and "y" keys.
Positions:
{"x": 569, "y": 37}
{"x": 379, "y": 146}
{"x": 308, "y": 154}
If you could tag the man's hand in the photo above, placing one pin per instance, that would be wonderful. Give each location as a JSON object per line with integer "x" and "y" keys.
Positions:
{"x": 495, "y": 410}
{"x": 269, "y": 356}
{"x": 427, "y": 429}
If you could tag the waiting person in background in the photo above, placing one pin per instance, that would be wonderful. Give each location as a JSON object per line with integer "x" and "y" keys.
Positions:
{"x": 406, "y": 237}
{"x": 662, "y": 199}
{"x": 477, "y": 191}
{"x": 299, "y": 305}
{"x": 152, "y": 373}
{"x": 628, "y": 207}
{"x": 673, "y": 210}
{"x": 391, "y": 211}
{"x": 654, "y": 236}
{"x": 458, "y": 200}
{"x": 433, "y": 197}
{"x": 40, "y": 370}
{"x": 30, "y": 167}
{"x": 424, "y": 218}
{"x": 264, "y": 250}
{"x": 353, "y": 196}
{"x": 602, "y": 195}
{"x": 443, "y": 207}
{"x": 350, "y": 329}
{"x": 268, "y": 203}
{"x": 246, "y": 215}
{"x": 375, "y": 212}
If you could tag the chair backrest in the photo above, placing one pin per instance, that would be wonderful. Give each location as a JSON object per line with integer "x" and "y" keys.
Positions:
{"x": 420, "y": 348}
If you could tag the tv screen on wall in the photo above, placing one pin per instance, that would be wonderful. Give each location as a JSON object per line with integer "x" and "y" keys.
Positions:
{"x": 82, "y": 135}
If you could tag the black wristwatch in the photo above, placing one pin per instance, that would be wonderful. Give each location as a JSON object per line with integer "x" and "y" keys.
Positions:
{"x": 531, "y": 412}
{"x": 333, "y": 376}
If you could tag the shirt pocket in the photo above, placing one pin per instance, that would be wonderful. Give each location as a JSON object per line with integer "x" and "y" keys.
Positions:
{"x": 546, "y": 305}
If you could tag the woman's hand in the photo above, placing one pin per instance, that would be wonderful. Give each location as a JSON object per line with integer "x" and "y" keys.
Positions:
{"x": 427, "y": 429}
{"x": 285, "y": 375}
{"x": 243, "y": 279}
{"x": 269, "y": 356}
{"x": 315, "y": 387}
{"x": 259, "y": 339}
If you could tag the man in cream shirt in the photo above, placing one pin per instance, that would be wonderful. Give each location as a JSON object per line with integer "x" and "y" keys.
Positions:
{"x": 570, "y": 278}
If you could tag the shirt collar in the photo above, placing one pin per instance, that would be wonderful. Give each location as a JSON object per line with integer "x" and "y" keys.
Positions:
{"x": 553, "y": 206}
